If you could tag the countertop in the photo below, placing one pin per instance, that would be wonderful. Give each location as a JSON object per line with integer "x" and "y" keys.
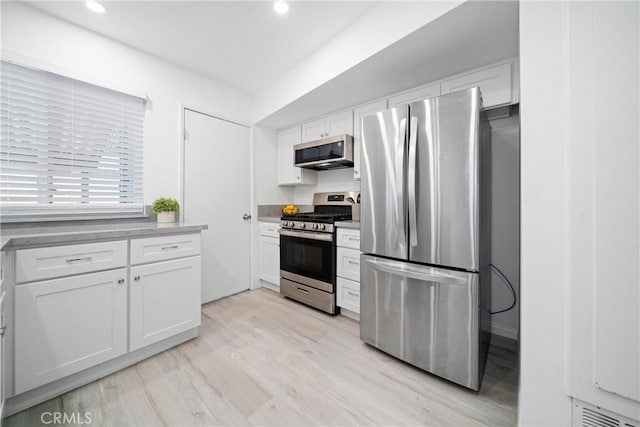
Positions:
{"x": 275, "y": 219}
{"x": 12, "y": 238}
{"x": 348, "y": 224}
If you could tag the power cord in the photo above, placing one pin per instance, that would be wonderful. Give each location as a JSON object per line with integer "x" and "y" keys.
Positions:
{"x": 506, "y": 281}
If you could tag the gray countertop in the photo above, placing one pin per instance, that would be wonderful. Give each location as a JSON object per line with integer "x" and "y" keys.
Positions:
{"x": 348, "y": 224}
{"x": 12, "y": 238}
{"x": 275, "y": 219}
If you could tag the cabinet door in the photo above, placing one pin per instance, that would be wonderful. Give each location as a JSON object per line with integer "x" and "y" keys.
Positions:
{"x": 313, "y": 130}
{"x": 165, "y": 300}
{"x": 287, "y": 173}
{"x": 494, "y": 83}
{"x": 417, "y": 94}
{"x": 339, "y": 124}
{"x": 358, "y": 114}
{"x": 270, "y": 259}
{"x": 3, "y": 328}
{"x": 63, "y": 326}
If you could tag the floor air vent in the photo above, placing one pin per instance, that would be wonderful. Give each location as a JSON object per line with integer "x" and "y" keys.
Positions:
{"x": 585, "y": 415}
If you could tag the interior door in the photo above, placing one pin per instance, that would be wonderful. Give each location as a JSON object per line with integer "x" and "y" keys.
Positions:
{"x": 217, "y": 192}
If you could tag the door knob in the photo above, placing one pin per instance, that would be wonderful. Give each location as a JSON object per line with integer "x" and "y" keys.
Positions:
{"x": 246, "y": 216}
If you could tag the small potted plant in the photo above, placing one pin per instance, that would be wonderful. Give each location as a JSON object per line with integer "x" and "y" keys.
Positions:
{"x": 165, "y": 209}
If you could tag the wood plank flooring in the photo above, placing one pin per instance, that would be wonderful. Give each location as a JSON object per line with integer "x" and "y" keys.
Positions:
{"x": 264, "y": 360}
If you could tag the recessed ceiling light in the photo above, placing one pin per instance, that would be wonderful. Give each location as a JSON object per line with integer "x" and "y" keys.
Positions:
{"x": 96, "y": 7}
{"x": 281, "y": 7}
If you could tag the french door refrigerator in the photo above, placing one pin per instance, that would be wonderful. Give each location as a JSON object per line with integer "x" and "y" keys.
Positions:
{"x": 425, "y": 235}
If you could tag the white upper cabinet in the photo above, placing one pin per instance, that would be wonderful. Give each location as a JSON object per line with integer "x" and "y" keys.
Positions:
{"x": 336, "y": 124}
{"x": 288, "y": 174}
{"x": 358, "y": 114}
{"x": 417, "y": 94}
{"x": 495, "y": 83}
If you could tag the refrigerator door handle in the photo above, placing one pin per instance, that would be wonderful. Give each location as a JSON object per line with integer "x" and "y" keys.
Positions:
{"x": 411, "y": 184}
{"x": 412, "y": 274}
{"x": 400, "y": 168}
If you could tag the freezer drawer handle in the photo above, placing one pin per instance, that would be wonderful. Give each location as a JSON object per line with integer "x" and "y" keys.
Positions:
{"x": 353, "y": 294}
{"x": 164, "y": 248}
{"x": 350, "y": 261}
{"x": 436, "y": 278}
{"x": 304, "y": 291}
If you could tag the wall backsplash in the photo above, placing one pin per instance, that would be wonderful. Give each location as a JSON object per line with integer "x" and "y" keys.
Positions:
{"x": 331, "y": 180}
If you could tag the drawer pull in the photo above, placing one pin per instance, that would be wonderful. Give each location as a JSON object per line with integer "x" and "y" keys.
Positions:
{"x": 164, "y": 248}
{"x": 304, "y": 291}
{"x": 87, "y": 258}
{"x": 353, "y": 239}
{"x": 3, "y": 329}
{"x": 353, "y": 294}
{"x": 350, "y": 261}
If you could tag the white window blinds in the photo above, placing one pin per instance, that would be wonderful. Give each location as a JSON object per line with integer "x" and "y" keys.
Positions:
{"x": 67, "y": 146}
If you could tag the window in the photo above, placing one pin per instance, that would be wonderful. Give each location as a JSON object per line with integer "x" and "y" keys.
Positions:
{"x": 67, "y": 146}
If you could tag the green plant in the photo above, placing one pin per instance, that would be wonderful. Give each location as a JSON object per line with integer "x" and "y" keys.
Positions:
{"x": 164, "y": 204}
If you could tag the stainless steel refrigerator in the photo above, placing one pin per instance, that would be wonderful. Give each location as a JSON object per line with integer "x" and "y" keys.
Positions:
{"x": 425, "y": 235}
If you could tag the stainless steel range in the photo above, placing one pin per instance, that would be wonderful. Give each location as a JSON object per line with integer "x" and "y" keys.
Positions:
{"x": 308, "y": 250}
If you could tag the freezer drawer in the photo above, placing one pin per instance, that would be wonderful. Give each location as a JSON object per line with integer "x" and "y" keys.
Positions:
{"x": 426, "y": 316}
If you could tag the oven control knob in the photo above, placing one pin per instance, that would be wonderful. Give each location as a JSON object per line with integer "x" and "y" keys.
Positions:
{"x": 302, "y": 225}
{"x": 322, "y": 226}
{"x": 315, "y": 226}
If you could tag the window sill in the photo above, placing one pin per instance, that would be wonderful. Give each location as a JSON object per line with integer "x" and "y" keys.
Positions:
{"x": 17, "y": 218}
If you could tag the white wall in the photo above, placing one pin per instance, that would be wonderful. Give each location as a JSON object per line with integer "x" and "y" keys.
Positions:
{"x": 43, "y": 40}
{"x": 382, "y": 25}
{"x": 264, "y": 145}
{"x": 580, "y": 216}
{"x": 335, "y": 180}
{"x": 505, "y": 223}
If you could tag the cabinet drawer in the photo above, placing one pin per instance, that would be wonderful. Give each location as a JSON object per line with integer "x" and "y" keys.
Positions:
{"x": 349, "y": 263}
{"x": 349, "y": 238}
{"x": 269, "y": 229}
{"x": 348, "y": 294}
{"x": 57, "y": 261}
{"x": 163, "y": 248}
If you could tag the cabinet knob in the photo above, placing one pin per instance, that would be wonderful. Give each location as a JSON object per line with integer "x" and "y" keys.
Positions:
{"x": 136, "y": 278}
{"x": 121, "y": 281}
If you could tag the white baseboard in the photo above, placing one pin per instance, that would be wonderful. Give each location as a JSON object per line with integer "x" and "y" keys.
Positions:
{"x": 504, "y": 331}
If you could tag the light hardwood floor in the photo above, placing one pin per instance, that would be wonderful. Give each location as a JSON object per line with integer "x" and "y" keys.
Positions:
{"x": 264, "y": 360}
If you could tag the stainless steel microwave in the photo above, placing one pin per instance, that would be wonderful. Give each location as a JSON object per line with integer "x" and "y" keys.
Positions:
{"x": 334, "y": 152}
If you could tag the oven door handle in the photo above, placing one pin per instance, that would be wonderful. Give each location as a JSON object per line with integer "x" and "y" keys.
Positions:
{"x": 326, "y": 237}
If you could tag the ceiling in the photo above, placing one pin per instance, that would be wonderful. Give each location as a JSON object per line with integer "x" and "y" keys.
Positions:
{"x": 242, "y": 44}
{"x": 472, "y": 35}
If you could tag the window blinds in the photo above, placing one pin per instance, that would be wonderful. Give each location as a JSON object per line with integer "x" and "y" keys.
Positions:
{"x": 67, "y": 145}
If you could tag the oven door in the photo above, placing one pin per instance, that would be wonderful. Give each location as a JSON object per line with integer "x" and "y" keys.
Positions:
{"x": 308, "y": 258}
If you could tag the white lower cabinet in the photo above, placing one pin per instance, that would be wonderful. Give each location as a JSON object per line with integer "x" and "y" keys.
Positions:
{"x": 348, "y": 269}
{"x": 269, "y": 261}
{"x": 165, "y": 300}
{"x": 63, "y": 326}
